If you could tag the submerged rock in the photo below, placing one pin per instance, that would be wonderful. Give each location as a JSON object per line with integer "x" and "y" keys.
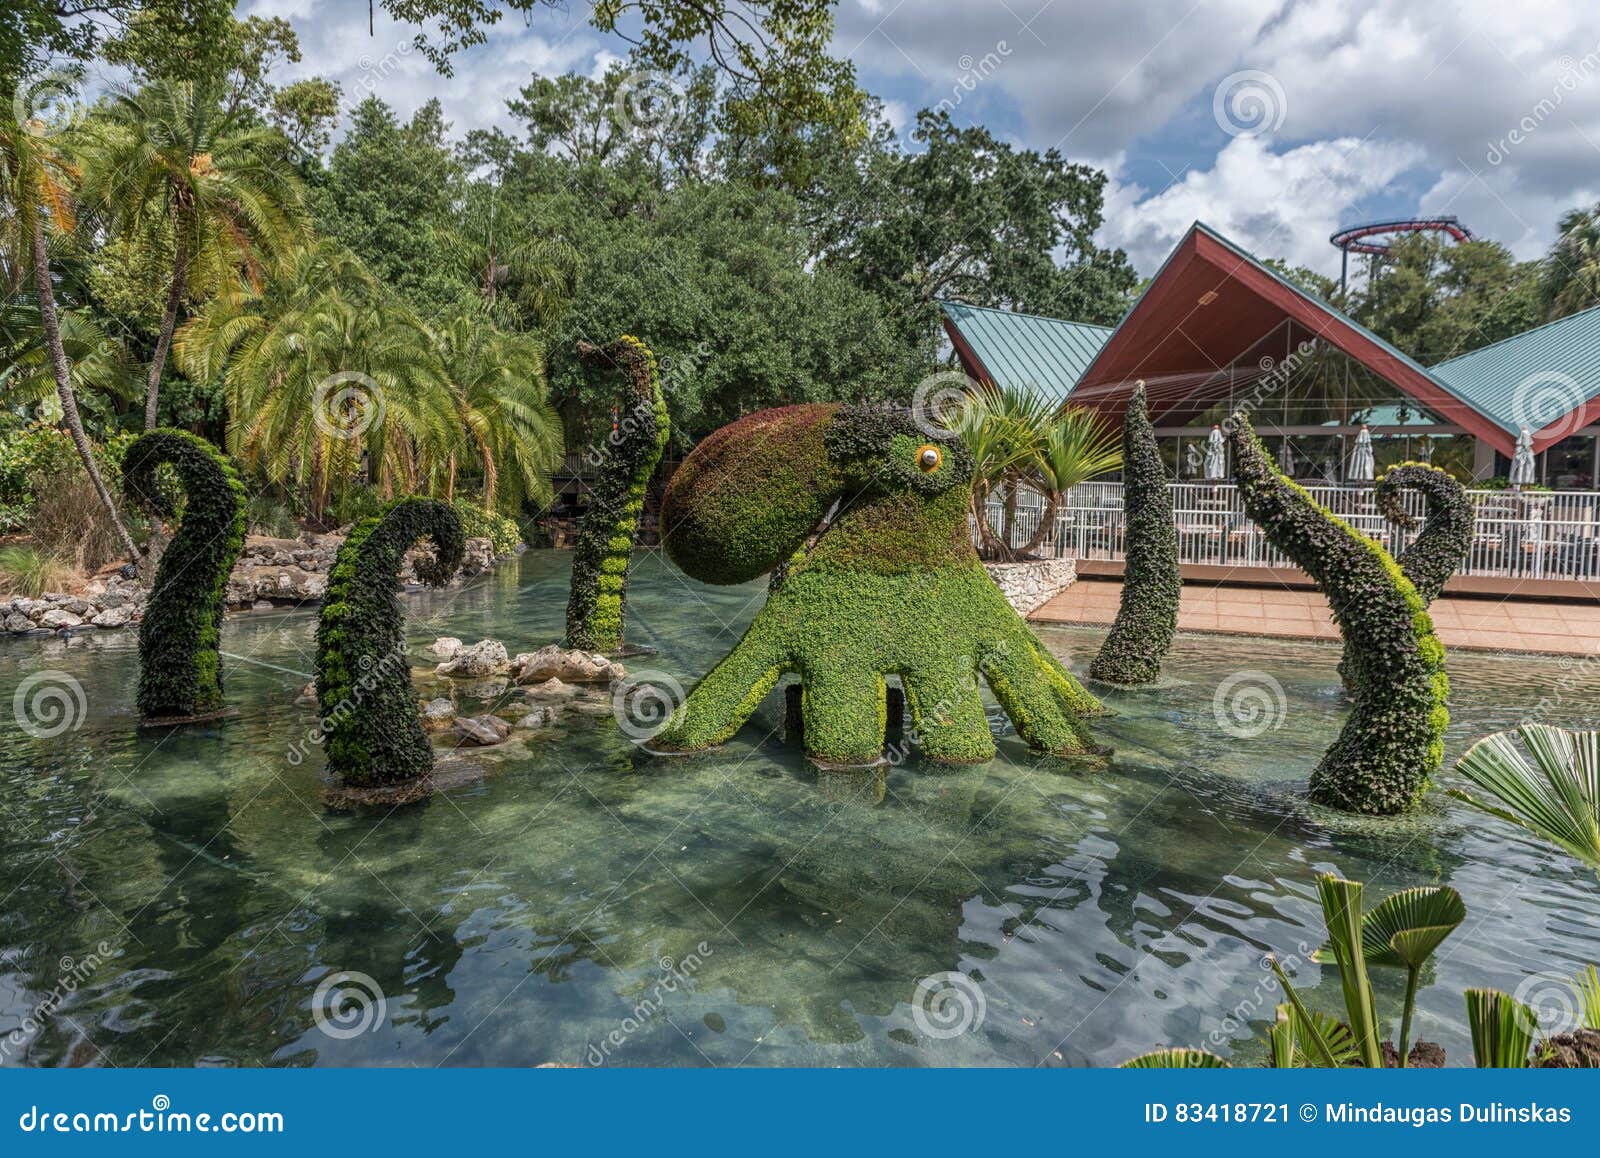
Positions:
{"x": 486, "y": 657}
{"x": 437, "y": 715}
{"x": 481, "y": 731}
{"x": 571, "y": 665}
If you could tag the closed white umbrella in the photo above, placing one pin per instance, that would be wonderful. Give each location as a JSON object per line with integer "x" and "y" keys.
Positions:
{"x": 1523, "y": 469}
{"x": 1361, "y": 467}
{"x": 1286, "y": 460}
{"x": 1191, "y": 461}
{"x": 1216, "y": 456}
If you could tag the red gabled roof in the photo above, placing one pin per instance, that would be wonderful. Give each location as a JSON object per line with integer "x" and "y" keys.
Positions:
{"x": 1212, "y": 306}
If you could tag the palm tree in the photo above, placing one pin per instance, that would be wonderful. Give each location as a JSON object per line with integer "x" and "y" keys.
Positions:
{"x": 523, "y": 280}
{"x": 1556, "y": 797}
{"x": 173, "y": 150}
{"x": 512, "y": 434}
{"x": 1020, "y": 437}
{"x": 326, "y": 376}
{"x": 38, "y": 181}
{"x": 1571, "y": 276}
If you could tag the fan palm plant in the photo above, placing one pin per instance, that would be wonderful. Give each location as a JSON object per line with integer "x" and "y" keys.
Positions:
{"x": 1556, "y": 797}
{"x": 1020, "y": 437}
{"x": 174, "y": 150}
{"x": 38, "y": 180}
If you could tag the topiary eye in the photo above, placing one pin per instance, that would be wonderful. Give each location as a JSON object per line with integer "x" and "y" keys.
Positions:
{"x": 928, "y": 458}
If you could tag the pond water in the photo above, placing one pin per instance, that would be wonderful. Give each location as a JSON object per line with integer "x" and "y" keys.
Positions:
{"x": 178, "y": 898}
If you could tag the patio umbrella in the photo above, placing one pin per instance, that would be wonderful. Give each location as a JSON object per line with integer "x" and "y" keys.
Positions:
{"x": 1522, "y": 465}
{"x": 1216, "y": 456}
{"x": 1286, "y": 460}
{"x": 1361, "y": 467}
{"x": 1191, "y": 461}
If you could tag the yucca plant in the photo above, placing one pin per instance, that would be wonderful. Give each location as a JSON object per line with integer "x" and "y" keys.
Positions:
{"x": 1556, "y": 797}
{"x": 1402, "y": 932}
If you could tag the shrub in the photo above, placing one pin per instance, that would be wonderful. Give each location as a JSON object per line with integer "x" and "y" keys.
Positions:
{"x": 1151, "y": 582}
{"x": 1393, "y": 740}
{"x": 273, "y": 517}
{"x": 597, "y": 604}
{"x": 180, "y": 669}
{"x": 478, "y": 523}
{"x": 369, "y": 713}
{"x": 30, "y": 572}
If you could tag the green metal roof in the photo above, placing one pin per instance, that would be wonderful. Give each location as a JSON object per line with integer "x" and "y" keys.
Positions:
{"x": 1026, "y": 349}
{"x": 1534, "y": 378}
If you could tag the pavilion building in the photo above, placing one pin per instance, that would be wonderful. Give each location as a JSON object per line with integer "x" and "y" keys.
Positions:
{"x": 1218, "y": 331}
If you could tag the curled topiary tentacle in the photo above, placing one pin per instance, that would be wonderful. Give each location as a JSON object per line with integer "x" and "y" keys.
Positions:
{"x": 625, "y": 461}
{"x": 1394, "y": 739}
{"x": 890, "y": 588}
{"x": 1151, "y": 583}
{"x": 180, "y": 669}
{"x": 371, "y": 731}
{"x": 1446, "y": 536}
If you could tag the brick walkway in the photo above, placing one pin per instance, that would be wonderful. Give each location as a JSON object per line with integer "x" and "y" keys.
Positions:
{"x": 1554, "y": 628}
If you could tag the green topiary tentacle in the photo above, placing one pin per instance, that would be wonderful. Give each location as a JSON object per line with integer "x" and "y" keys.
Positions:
{"x": 371, "y": 731}
{"x": 604, "y": 550}
{"x": 180, "y": 670}
{"x": 1394, "y": 739}
{"x": 1151, "y": 583}
{"x": 1446, "y": 537}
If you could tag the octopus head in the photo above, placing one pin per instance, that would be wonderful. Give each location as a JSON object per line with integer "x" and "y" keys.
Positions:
{"x": 748, "y": 496}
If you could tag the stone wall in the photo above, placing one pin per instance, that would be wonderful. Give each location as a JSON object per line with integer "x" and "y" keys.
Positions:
{"x": 1029, "y": 586}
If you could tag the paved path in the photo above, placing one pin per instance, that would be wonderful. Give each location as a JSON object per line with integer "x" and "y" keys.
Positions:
{"x": 1555, "y": 628}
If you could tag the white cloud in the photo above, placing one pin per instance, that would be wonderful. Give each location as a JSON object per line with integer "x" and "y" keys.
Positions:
{"x": 1275, "y": 204}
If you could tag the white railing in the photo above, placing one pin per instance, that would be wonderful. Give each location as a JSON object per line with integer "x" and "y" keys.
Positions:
{"x": 1544, "y": 535}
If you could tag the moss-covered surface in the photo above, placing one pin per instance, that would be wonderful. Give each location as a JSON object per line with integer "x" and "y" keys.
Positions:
{"x": 1393, "y": 740}
{"x": 370, "y": 726}
{"x": 180, "y": 669}
{"x": 1446, "y": 536}
{"x": 597, "y": 603}
{"x": 1151, "y": 583}
{"x": 892, "y": 587}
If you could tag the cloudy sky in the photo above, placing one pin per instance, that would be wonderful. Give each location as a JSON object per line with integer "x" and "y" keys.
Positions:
{"x": 1275, "y": 121}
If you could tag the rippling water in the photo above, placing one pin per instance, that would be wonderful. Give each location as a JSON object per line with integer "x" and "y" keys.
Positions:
{"x": 178, "y": 898}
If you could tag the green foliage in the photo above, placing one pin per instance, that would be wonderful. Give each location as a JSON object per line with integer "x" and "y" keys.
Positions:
{"x": 1446, "y": 537}
{"x": 1175, "y": 1059}
{"x": 1151, "y": 582}
{"x": 1556, "y": 797}
{"x": 478, "y": 523}
{"x": 1393, "y": 740}
{"x": 1570, "y": 274}
{"x": 180, "y": 669}
{"x": 891, "y": 587}
{"x": 597, "y": 603}
{"x": 30, "y": 571}
{"x": 1503, "y": 1029}
{"x": 373, "y": 737}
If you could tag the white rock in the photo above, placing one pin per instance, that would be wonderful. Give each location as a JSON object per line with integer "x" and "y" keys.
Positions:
{"x": 59, "y": 617}
{"x": 113, "y": 616}
{"x": 437, "y": 715}
{"x": 17, "y": 624}
{"x": 446, "y": 647}
{"x": 571, "y": 665}
{"x": 486, "y": 657}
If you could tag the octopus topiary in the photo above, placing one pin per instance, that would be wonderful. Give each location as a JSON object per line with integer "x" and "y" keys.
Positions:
{"x": 180, "y": 668}
{"x": 370, "y": 727}
{"x": 1151, "y": 583}
{"x": 1394, "y": 739}
{"x": 1446, "y": 536}
{"x": 604, "y": 550}
{"x": 889, "y": 586}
